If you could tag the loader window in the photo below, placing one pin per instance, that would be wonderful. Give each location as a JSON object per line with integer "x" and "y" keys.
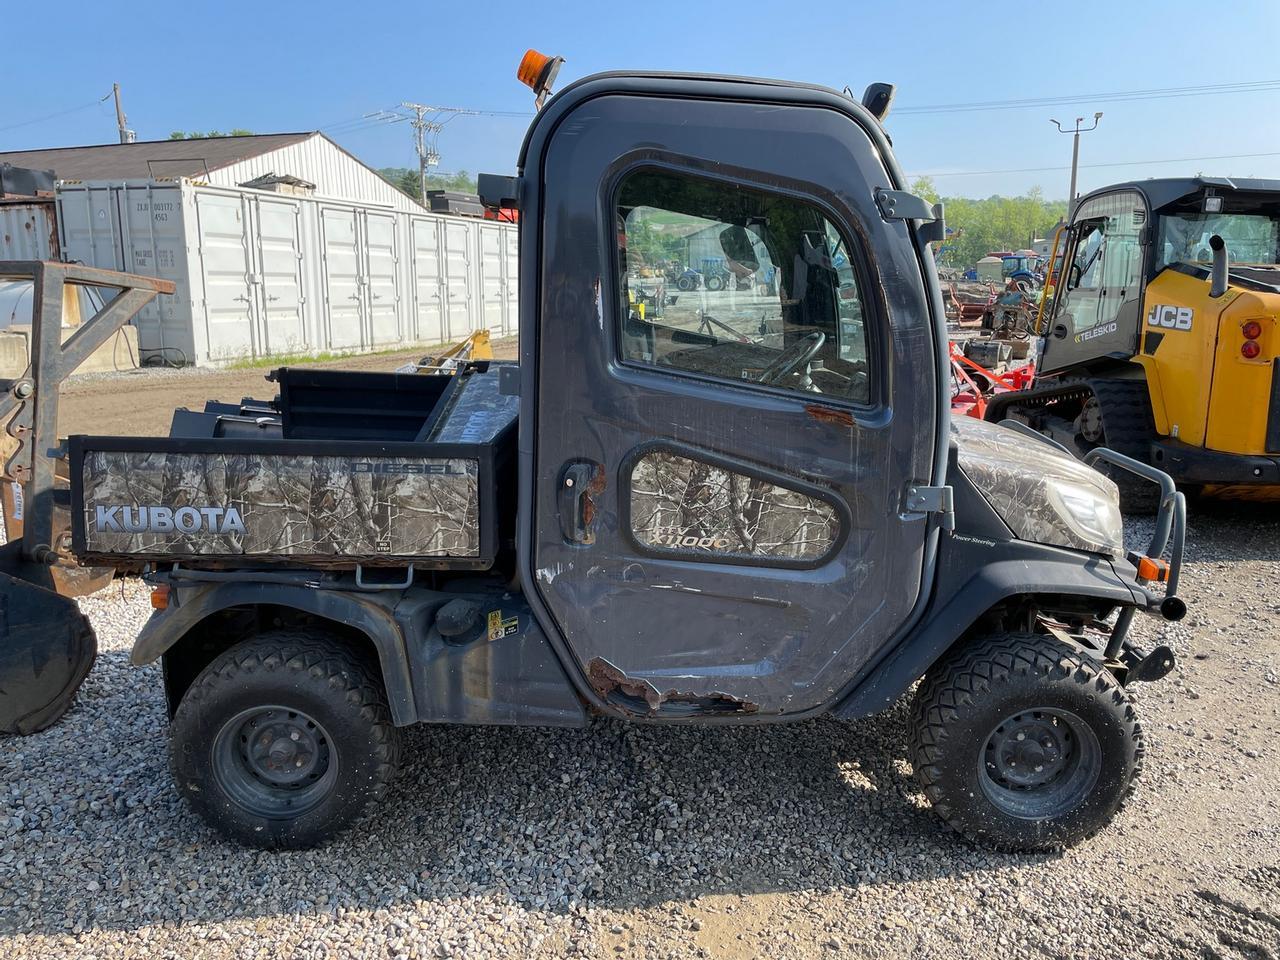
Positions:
{"x": 1104, "y": 274}
{"x": 722, "y": 281}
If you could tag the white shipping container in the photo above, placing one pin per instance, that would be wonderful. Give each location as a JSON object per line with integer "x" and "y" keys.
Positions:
{"x": 262, "y": 274}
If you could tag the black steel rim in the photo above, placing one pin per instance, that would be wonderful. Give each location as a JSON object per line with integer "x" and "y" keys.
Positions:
{"x": 1039, "y": 763}
{"x": 274, "y": 761}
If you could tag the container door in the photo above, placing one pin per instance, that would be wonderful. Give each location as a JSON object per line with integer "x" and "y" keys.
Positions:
{"x": 344, "y": 300}
{"x": 428, "y": 282}
{"x": 382, "y": 286}
{"x": 492, "y": 293}
{"x": 511, "y": 280}
{"x": 155, "y": 244}
{"x": 226, "y": 266}
{"x": 718, "y": 522}
{"x": 457, "y": 271}
{"x": 90, "y": 223}
{"x": 283, "y": 327}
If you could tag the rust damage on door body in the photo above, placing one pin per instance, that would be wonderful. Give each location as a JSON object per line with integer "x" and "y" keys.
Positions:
{"x": 611, "y": 683}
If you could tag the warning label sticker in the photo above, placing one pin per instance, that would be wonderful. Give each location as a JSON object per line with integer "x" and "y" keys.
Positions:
{"x": 500, "y": 626}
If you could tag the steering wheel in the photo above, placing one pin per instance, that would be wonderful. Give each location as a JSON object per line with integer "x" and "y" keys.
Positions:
{"x": 794, "y": 357}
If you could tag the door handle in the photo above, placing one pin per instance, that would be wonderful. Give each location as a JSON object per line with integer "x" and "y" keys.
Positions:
{"x": 580, "y": 482}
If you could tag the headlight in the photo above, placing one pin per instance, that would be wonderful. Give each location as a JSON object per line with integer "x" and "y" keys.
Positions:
{"x": 1094, "y": 518}
{"x": 1043, "y": 495}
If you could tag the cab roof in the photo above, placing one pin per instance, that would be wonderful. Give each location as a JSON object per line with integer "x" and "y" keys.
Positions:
{"x": 1160, "y": 192}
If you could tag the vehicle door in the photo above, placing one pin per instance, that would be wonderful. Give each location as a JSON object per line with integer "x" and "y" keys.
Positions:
{"x": 718, "y": 522}
{"x": 1098, "y": 311}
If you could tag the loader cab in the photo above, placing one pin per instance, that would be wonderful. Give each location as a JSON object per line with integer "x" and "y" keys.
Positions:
{"x": 1136, "y": 289}
{"x": 1097, "y": 306}
{"x": 712, "y": 507}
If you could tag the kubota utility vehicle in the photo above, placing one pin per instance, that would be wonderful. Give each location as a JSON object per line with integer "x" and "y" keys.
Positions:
{"x": 765, "y": 519}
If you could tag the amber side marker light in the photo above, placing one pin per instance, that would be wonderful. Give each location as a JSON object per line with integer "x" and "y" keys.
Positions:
{"x": 160, "y": 597}
{"x": 538, "y": 72}
{"x": 1149, "y": 568}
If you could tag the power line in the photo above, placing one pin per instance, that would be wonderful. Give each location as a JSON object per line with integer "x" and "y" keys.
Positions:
{"x": 1160, "y": 93}
{"x": 1116, "y": 163}
{"x": 60, "y": 113}
{"x": 378, "y": 117}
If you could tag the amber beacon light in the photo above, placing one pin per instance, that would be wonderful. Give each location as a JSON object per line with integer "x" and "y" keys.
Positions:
{"x": 538, "y": 72}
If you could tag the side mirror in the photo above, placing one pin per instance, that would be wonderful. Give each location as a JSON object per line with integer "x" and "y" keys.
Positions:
{"x": 737, "y": 246}
{"x": 1074, "y": 276}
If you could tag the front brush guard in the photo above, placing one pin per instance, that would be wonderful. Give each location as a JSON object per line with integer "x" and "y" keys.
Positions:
{"x": 1122, "y": 658}
{"x": 1171, "y": 524}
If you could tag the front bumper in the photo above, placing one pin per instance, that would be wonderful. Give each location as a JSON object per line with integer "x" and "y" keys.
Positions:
{"x": 1188, "y": 464}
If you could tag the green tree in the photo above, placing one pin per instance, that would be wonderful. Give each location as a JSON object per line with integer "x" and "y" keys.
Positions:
{"x": 406, "y": 179}
{"x": 923, "y": 188}
{"x": 197, "y": 135}
{"x": 997, "y": 223}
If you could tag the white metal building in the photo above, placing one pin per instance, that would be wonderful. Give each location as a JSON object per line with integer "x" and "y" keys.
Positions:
{"x": 319, "y": 253}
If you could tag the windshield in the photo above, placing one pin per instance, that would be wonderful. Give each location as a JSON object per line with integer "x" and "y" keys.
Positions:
{"x": 1250, "y": 238}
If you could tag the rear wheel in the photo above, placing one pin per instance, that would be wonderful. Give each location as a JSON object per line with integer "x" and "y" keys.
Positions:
{"x": 714, "y": 283}
{"x": 1024, "y": 743}
{"x": 282, "y": 741}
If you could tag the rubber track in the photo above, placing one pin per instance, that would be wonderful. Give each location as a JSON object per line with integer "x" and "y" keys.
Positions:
{"x": 323, "y": 658}
{"x": 1128, "y": 427}
{"x": 968, "y": 675}
{"x": 1002, "y": 405}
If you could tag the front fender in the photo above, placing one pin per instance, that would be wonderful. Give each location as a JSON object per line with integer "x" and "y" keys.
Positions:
{"x": 975, "y": 574}
{"x": 371, "y": 614}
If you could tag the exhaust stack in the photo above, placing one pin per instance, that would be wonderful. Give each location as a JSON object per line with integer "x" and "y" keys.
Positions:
{"x": 1218, "y": 272}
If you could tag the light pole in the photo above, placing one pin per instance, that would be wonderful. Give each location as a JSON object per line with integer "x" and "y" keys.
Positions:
{"x": 1075, "y": 154}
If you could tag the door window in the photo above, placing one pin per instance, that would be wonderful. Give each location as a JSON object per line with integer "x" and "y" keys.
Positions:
{"x": 1106, "y": 265}
{"x": 726, "y": 282}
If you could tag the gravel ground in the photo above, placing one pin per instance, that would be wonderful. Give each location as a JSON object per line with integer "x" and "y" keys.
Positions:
{"x": 797, "y": 841}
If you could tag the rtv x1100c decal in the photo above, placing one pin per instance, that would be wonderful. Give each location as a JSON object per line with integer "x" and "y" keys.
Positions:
{"x": 686, "y": 505}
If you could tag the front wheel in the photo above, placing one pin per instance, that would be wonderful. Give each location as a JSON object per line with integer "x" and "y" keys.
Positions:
{"x": 283, "y": 740}
{"x": 1022, "y": 742}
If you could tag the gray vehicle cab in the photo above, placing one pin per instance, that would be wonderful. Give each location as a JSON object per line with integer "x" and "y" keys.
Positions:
{"x": 746, "y": 504}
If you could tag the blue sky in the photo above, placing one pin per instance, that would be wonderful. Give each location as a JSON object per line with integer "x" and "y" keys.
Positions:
{"x": 326, "y": 64}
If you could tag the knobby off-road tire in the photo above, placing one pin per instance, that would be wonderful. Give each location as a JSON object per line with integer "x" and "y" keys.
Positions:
{"x": 283, "y": 740}
{"x": 1080, "y": 739}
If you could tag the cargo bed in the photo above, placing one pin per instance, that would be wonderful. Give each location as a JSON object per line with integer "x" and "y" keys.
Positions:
{"x": 341, "y": 470}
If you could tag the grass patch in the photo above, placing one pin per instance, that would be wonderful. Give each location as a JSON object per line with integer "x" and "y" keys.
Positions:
{"x": 292, "y": 359}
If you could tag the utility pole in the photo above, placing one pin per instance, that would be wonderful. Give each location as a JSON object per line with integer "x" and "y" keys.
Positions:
{"x": 1075, "y": 154}
{"x": 426, "y": 154}
{"x": 126, "y": 135}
